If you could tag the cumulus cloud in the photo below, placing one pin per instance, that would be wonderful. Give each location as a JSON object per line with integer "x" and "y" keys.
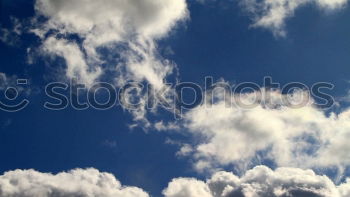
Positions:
{"x": 272, "y": 14}
{"x": 260, "y": 181}
{"x": 113, "y": 24}
{"x": 187, "y": 187}
{"x": 79, "y": 182}
{"x": 242, "y": 137}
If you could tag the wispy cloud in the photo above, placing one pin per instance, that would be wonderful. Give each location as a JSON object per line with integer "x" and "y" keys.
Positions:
{"x": 133, "y": 26}
{"x": 273, "y": 14}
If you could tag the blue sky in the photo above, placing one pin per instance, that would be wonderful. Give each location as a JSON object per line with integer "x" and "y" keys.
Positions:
{"x": 215, "y": 39}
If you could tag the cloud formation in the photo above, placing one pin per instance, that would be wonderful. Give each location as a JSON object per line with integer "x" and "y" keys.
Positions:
{"x": 116, "y": 39}
{"x": 75, "y": 183}
{"x": 272, "y": 14}
{"x": 260, "y": 181}
{"x": 128, "y": 28}
{"x": 303, "y": 137}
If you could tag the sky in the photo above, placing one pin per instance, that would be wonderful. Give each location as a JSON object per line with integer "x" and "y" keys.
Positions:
{"x": 208, "y": 150}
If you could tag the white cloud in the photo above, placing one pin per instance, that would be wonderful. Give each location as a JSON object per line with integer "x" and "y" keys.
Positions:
{"x": 79, "y": 182}
{"x": 134, "y": 24}
{"x": 260, "y": 181}
{"x": 110, "y": 20}
{"x": 272, "y": 14}
{"x": 127, "y": 31}
{"x": 187, "y": 187}
{"x": 75, "y": 60}
{"x": 290, "y": 137}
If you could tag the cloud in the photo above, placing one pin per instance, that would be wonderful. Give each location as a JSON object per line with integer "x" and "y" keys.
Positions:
{"x": 242, "y": 137}
{"x": 77, "y": 66}
{"x": 128, "y": 28}
{"x": 78, "y": 182}
{"x": 10, "y": 36}
{"x": 113, "y": 37}
{"x": 162, "y": 126}
{"x": 187, "y": 187}
{"x": 260, "y": 181}
{"x": 272, "y": 14}
{"x": 7, "y": 37}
